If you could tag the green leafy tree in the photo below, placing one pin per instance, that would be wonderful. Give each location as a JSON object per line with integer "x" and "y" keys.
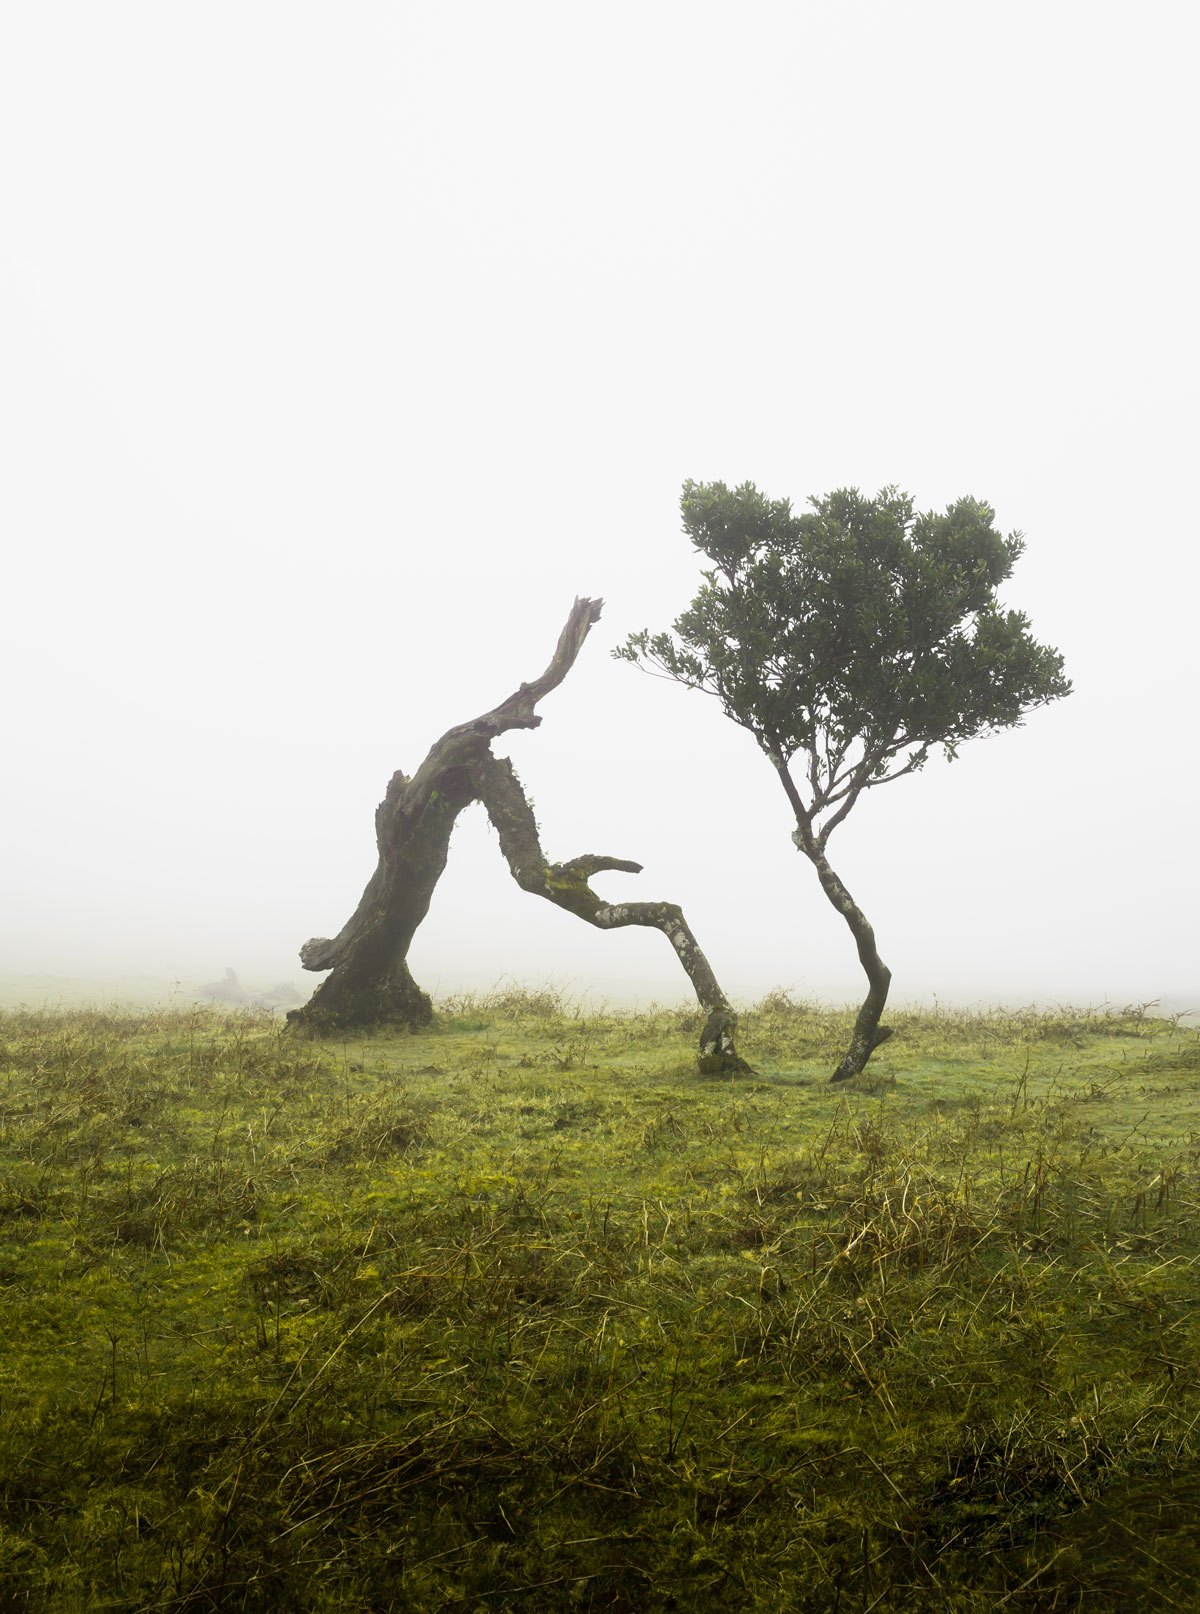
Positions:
{"x": 852, "y": 641}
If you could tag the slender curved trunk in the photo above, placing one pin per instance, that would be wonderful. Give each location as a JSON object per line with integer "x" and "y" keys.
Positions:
{"x": 868, "y": 1034}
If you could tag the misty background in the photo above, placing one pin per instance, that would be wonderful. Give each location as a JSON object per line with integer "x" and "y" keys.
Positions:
{"x": 342, "y": 347}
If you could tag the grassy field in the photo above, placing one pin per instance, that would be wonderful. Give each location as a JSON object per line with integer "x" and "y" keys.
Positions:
{"x": 526, "y": 1315}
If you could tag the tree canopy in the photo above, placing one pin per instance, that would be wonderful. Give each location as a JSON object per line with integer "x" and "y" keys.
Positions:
{"x": 859, "y": 633}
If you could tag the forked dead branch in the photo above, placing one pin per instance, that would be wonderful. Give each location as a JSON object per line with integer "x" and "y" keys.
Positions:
{"x": 370, "y": 984}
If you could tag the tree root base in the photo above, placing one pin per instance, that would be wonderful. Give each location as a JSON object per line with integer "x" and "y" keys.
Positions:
{"x": 717, "y": 1055}
{"x": 723, "y": 1065}
{"x": 333, "y": 1010}
{"x": 855, "y": 1061}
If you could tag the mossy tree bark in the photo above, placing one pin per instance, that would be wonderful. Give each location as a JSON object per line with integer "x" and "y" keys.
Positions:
{"x": 370, "y": 985}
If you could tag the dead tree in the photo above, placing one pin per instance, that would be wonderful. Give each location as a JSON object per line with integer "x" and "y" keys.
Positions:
{"x": 370, "y": 985}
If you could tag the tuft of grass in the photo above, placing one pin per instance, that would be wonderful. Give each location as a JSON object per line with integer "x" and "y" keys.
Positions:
{"x": 523, "y": 1314}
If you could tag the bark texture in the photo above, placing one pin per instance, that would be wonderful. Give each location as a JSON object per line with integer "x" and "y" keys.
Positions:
{"x": 370, "y": 984}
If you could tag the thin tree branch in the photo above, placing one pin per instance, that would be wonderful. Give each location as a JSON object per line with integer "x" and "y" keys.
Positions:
{"x": 851, "y": 794}
{"x": 861, "y": 782}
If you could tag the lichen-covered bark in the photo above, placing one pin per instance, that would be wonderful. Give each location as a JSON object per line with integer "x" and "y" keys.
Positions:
{"x": 566, "y": 885}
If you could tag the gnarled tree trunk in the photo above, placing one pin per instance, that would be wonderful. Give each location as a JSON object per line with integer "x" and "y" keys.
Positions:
{"x": 370, "y": 985}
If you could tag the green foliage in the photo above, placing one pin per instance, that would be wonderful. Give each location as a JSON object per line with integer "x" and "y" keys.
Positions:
{"x": 860, "y": 633}
{"x": 521, "y": 1314}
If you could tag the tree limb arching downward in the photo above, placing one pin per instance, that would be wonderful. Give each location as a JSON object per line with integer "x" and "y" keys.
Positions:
{"x": 566, "y": 885}
{"x": 370, "y": 984}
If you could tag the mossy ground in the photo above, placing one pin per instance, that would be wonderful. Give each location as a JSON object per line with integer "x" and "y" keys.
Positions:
{"x": 523, "y": 1314}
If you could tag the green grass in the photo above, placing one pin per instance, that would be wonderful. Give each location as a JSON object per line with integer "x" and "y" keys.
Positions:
{"x": 526, "y": 1315}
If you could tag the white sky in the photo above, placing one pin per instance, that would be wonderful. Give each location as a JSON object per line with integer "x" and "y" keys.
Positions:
{"x": 341, "y": 346}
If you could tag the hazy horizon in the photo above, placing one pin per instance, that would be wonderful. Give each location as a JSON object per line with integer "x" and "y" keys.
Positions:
{"x": 37, "y": 993}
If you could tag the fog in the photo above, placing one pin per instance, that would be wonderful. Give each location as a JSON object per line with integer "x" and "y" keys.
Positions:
{"x": 342, "y": 347}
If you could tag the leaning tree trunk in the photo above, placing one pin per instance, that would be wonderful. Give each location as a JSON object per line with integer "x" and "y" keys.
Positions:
{"x": 868, "y": 1034}
{"x": 370, "y": 985}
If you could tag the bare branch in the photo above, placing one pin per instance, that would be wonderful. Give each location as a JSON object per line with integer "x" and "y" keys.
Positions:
{"x": 566, "y": 885}
{"x": 517, "y": 711}
{"x": 590, "y": 864}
